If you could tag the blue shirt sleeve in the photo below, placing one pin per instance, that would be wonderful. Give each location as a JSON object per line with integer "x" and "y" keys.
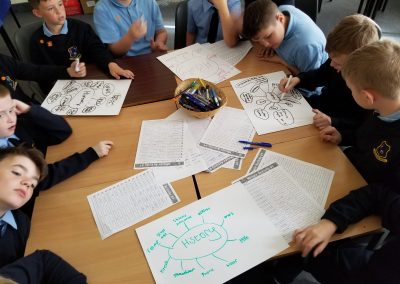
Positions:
{"x": 234, "y": 6}
{"x": 158, "y": 21}
{"x": 309, "y": 58}
{"x": 104, "y": 25}
{"x": 191, "y": 26}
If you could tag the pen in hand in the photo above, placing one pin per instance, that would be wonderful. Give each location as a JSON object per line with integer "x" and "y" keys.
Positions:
{"x": 77, "y": 68}
{"x": 287, "y": 85}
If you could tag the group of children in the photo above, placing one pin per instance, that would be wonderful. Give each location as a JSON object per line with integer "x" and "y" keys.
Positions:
{"x": 358, "y": 107}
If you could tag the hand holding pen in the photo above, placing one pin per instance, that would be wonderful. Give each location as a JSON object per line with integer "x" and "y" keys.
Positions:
{"x": 288, "y": 84}
{"x": 254, "y": 145}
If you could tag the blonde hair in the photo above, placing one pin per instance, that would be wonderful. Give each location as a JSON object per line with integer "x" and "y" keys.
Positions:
{"x": 4, "y": 91}
{"x": 351, "y": 33}
{"x": 375, "y": 66}
{"x": 4, "y": 280}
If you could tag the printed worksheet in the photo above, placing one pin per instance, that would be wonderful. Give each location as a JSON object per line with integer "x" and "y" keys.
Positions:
{"x": 129, "y": 201}
{"x": 161, "y": 144}
{"x": 268, "y": 109}
{"x": 314, "y": 179}
{"x": 228, "y": 126}
{"x": 284, "y": 201}
{"x": 232, "y": 55}
{"x": 193, "y": 160}
{"x": 87, "y": 97}
{"x": 208, "y": 241}
{"x": 188, "y": 63}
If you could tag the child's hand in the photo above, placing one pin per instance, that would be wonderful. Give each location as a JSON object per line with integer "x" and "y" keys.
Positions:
{"x": 293, "y": 83}
{"x": 72, "y": 70}
{"x": 116, "y": 71}
{"x": 138, "y": 29}
{"x": 321, "y": 120}
{"x": 218, "y": 3}
{"x": 158, "y": 45}
{"x": 21, "y": 107}
{"x": 330, "y": 134}
{"x": 265, "y": 52}
{"x": 314, "y": 237}
{"x": 103, "y": 148}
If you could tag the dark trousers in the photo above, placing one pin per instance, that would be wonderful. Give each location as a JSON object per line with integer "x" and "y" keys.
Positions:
{"x": 42, "y": 267}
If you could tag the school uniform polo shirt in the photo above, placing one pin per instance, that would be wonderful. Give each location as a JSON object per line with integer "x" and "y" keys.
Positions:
{"x": 199, "y": 18}
{"x": 112, "y": 21}
{"x": 304, "y": 43}
{"x": 9, "y": 219}
{"x": 64, "y": 29}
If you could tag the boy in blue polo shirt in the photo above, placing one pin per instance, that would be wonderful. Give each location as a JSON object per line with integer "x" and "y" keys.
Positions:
{"x": 290, "y": 36}
{"x": 130, "y": 27}
{"x": 200, "y": 19}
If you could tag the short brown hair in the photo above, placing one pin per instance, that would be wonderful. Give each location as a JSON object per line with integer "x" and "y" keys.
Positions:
{"x": 35, "y": 3}
{"x": 351, "y": 33}
{"x": 258, "y": 15}
{"x": 32, "y": 154}
{"x": 375, "y": 66}
{"x": 4, "y": 91}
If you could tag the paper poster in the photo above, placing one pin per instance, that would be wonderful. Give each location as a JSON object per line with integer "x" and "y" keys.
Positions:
{"x": 268, "y": 109}
{"x": 211, "y": 240}
{"x": 87, "y": 97}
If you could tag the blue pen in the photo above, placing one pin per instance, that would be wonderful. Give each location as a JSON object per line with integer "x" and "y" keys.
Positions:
{"x": 261, "y": 144}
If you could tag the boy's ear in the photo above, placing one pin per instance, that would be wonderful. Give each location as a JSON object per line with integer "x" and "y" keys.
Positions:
{"x": 369, "y": 95}
{"x": 279, "y": 17}
{"x": 37, "y": 13}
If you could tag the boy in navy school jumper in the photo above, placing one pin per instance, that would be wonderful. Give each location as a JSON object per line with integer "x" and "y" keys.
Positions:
{"x": 21, "y": 169}
{"x": 41, "y": 267}
{"x": 335, "y": 105}
{"x": 59, "y": 41}
{"x": 354, "y": 263}
{"x": 12, "y": 70}
{"x": 37, "y": 127}
{"x": 288, "y": 36}
{"x": 372, "y": 73}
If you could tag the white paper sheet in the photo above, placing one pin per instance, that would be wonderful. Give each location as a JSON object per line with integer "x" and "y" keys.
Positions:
{"x": 87, "y": 97}
{"x": 232, "y": 55}
{"x": 161, "y": 144}
{"x": 189, "y": 63}
{"x": 214, "y": 159}
{"x": 129, "y": 201}
{"x": 287, "y": 205}
{"x": 193, "y": 160}
{"x": 261, "y": 98}
{"x": 234, "y": 164}
{"x": 228, "y": 127}
{"x": 314, "y": 179}
{"x": 207, "y": 242}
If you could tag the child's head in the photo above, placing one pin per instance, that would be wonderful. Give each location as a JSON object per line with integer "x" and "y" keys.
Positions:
{"x": 20, "y": 171}
{"x": 372, "y": 70}
{"x": 52, "y": 11}
{"x": 264, "y": 23}
{"x": 8, "y": 117}
{"x": 350, "y": 33}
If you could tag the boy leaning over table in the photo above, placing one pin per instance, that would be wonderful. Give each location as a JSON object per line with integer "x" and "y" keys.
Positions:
{"x": 61, "y": 40}
{"x": 372, "y": 73}
{"x": 335, "y": 105}
{"x": 288, "y": 35}
{"x": 21, "y": 169}
{"x": 34, "y": 126}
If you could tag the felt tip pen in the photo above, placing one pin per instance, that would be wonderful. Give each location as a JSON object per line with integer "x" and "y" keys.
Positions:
{"x": 261, "y": 144}
{"x": 77, "y": 68}
{"x": 287, "y": 85}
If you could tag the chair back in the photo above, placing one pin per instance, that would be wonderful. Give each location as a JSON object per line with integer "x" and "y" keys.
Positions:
{"x": 22, "y": 38}
{"x": 181, "y": 14}
{"x": 310, "y": 7}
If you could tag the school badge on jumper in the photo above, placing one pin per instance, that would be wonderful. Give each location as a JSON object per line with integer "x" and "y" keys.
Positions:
{"x": 381, "y": 152}
{"x": 13, "y": 84}
{"x": 74, "y": 53}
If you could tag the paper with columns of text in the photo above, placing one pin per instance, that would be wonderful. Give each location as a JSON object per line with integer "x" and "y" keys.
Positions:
{"x": 161, "y": 144}
{"x": 210, "y": 240}
{"x": 129, "y": 201}
{"x": 287, "y": 205}
{"x": 314, "y": 179}
{"x": 87, "y": 97}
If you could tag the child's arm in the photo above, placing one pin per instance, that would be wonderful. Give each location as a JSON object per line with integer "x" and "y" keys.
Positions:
{"x": 77, "y": 72}
{"x": 292, "y": 84}
{"x": 67, "y": 167}
{"x": 315, "y": 237}
{"x": 321, "y": 120}
{"x": 160, "y": 41}
{"x": 116, "y": 71}
{"x": 190, "y": 38}
{"x": 44, "y": 127}
{"x": 231, "y": 22}
{"x": 330, "y": 134}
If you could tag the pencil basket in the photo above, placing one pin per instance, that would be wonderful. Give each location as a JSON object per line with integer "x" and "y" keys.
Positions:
{"x": 184, "y": 85}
